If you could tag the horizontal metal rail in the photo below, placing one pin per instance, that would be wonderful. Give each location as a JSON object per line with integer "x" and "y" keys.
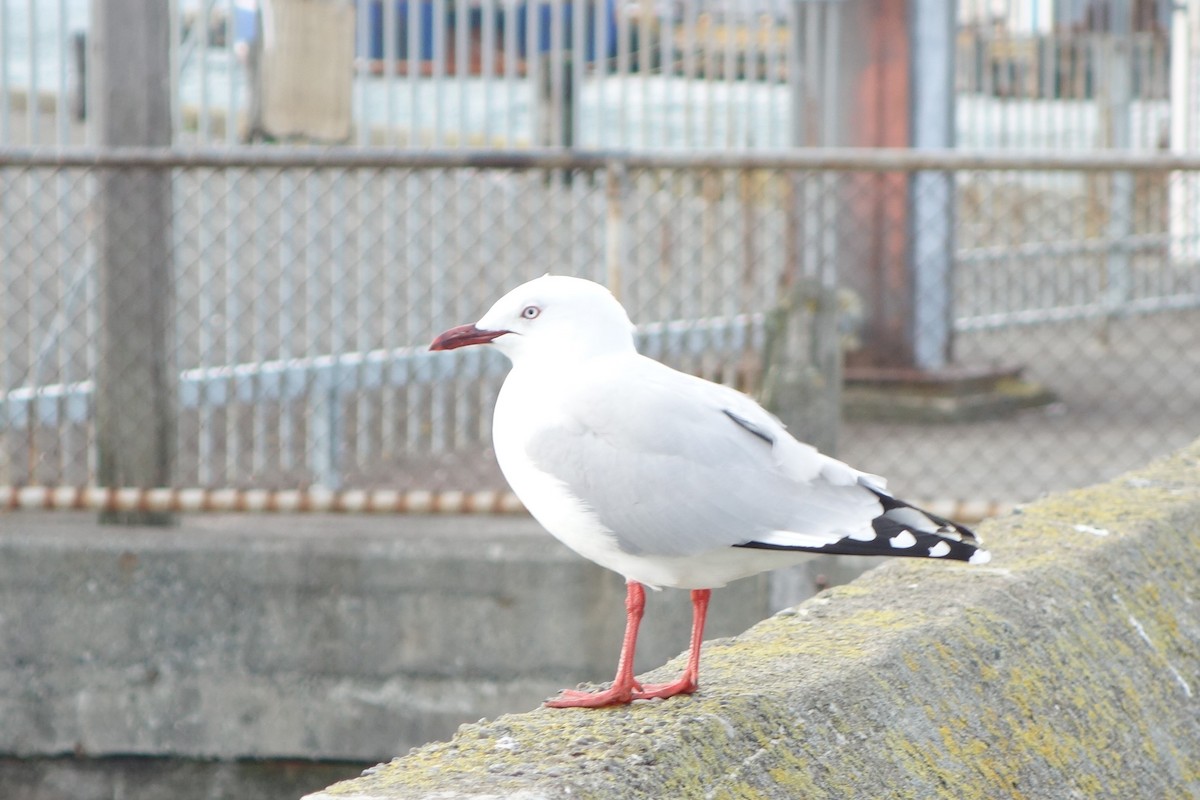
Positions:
{"x": 284, "y": 501}
{"x": 826, "y": 159}
{"x": 318, "y": 500}
{"x": 1134, "y": 243}
{"x": 1076, "y": 313}
{"x": 324, "y": 377}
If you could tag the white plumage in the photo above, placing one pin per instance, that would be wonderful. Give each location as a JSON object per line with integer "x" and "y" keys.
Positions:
{"x": 665, "y": 478}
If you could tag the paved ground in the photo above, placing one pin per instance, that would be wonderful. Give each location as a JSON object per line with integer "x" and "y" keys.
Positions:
{"x": 1123, "y": 402}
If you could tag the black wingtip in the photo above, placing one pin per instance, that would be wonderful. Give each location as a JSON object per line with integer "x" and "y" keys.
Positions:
{"x": 906, "y": 531}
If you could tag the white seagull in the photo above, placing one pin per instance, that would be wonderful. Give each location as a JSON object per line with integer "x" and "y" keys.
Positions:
{"x": 666, "y": 478}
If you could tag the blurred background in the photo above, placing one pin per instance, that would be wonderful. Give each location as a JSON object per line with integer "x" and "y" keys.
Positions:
{"x": 958, "y": 246}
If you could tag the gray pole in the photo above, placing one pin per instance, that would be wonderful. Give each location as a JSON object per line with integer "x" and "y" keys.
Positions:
{"x": 931, "y": 194}
{"x": 130, "y": 101}
{"x": 1119, "y": 96}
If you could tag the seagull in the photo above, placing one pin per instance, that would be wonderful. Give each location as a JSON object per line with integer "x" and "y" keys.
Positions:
{"x": 665, "y": 478}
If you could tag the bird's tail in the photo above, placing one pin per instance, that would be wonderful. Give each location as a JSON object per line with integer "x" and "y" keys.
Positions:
{"x": 911, "y": 531}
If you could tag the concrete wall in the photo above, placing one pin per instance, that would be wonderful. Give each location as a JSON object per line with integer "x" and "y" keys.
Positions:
{"x": 1069, "y": 667}
{"x": 319, "y": 637}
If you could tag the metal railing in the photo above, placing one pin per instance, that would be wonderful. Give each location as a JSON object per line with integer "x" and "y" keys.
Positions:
{"x": 686, "y": 75}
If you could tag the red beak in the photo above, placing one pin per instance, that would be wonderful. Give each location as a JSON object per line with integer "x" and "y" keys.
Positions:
{"x": 462, "y": 336}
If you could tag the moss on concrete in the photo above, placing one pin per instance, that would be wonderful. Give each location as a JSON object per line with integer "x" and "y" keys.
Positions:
{"x": 1068, "y": 667}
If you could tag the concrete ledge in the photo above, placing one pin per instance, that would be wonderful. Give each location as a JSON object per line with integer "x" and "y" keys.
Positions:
{"x": 1068, "y": 667}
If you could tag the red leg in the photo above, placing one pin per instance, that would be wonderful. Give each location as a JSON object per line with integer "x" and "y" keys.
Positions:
{"x": 624, "y": 685}
{"x": 690, "y": 681}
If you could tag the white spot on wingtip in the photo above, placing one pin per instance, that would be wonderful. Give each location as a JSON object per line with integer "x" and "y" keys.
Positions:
{"x": 938, "y": 550}
{"x": 903, "y": 539}
{"x": 980, "y": 557}
{"x": 1092, "y": 530}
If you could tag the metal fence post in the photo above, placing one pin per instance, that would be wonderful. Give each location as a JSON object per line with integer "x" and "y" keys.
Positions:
{"x": 135, "y": 384}
{"x": 616, "y": 187}
{"x": 1120, "y": 205}
{"x": 1183, "y": 211}
{"x": 931, "y": 194}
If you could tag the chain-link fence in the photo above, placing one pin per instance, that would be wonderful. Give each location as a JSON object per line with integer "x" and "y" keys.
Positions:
{"x": 259, "y": 319}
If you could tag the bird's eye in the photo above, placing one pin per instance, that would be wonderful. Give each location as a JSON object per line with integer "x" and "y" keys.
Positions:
{"x": 530, "y": 312}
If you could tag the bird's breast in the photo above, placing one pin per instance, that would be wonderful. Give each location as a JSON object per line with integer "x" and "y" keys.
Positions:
{"x": 522, "y": 412}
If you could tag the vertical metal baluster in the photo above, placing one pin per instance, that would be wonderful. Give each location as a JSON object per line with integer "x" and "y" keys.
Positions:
{"x": 440, "y": 273}
{"x": 9, "y": 302}
{"x": 488, "y": 70}
{"x": 666, "y": 75}
{"x": 205, "y": 321}
{"x": 413, "y": 68}
{"x": 287, "y": 324}
{"x": 66, "y": 276}
{"x": 174, "y": 56}
{"x": 624, "y": 139}
{"x": 414, "y": 409}
{"x": 335, "y": 211}
{"x": 204, "y": 121}
{"x": 363, "y": 187}
{"x": 533, "y": 55}
{"x": 557, "y": 136}
{"x": 752, "y": 79}
{"x": 709, "y": 139}
{"x": 393, "y": 275}
{"x": 600, "y": 68}
{"x": 5, "y": 91}
{"x": 316, "y": 433}
{"x": 689, "y": 74}
{"x": 645, "y": 65}
{"x": 233, "y": 179}
{"x": 390, "y": 54}
{"x": 458, "y": 292}
{"x": 510, "y": 72}
{"x": 439, "y": 72}
{"x": 91, "y": 325}
{"x": 362, "y": 72}
{"x": 33, "y": 110}
{"x": 259, "y": 269}
{"x": 231, "y": 73}
{"x": 62, "y": 106}
{"x": 729, "y": 77}
{"x": 461, "y": 70}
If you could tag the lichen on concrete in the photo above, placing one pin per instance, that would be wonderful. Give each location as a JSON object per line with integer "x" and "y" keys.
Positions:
{"x": 1068, "y": 667}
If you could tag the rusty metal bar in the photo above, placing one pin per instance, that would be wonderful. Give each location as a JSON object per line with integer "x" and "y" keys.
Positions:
{"x": 322, "y": 501}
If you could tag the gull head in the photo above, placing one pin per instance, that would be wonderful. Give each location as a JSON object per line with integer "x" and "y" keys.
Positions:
{"x": 551, "y": 319}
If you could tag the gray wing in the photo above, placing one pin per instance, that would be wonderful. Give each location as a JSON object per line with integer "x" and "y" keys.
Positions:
{"x": 674, "y": 465}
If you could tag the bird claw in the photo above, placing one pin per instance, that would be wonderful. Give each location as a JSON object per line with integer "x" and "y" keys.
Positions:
{"x": 622, "y": 695}
{"x": 685, "y": 685}
{"x": 614, "y": 696}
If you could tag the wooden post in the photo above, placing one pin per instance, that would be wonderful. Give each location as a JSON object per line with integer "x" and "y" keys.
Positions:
{"x": 130, "y": 102}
